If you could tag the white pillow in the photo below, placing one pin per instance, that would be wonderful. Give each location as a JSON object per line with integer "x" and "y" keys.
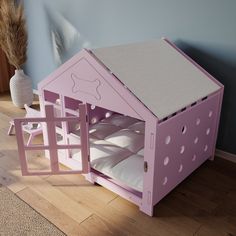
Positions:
{"x": 130, "y": 172}
{"x": 77, "y": 134}
{"x": 138, "y": 127}
{"x": 127, "y": 139}
{"x": 141, "y": 152}
{"x": 104, "y": 155}
{"x": 76, "y": 140}
{"x": 120, "y": 120}
{"x": 102, "y": 130}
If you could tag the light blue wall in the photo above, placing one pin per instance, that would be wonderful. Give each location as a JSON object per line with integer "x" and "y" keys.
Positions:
{"x": 204, "y": 29}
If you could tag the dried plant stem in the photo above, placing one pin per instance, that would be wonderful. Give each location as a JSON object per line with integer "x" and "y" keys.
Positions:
{"x": 13, "y": 34}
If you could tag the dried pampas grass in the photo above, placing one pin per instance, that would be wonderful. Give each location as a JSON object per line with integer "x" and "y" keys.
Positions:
{"x": 13, "y": 35}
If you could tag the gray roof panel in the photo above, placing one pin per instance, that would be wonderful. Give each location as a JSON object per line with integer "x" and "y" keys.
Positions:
{"x": 160, "y": 76}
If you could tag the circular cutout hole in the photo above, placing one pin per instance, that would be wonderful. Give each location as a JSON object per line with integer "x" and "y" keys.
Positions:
{"x": 94, "y": 120}
{"x": 210, "y": 113}
{"x": 198, "y": 121}
{"x": 166, "y": 161}
{"x": 180, "y": 168}
{"x": 182, "y": 148}
{"x": 208, "y": 131}
{"x": 196, "y": 140}
{"x": 165, "y": 181}
{"x": 93, "y": 107}
{"x": 194, "y": 157}
{"x": 108, "y": 114}
{"x": 58, "y": 101}
{"x": 168, "y": 138}
{"x": 184, "y": 129}
{"x": 205, "y": 148}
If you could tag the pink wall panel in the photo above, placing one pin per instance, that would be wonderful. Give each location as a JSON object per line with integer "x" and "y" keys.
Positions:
{"x": 86, "y": 79}
{"x": 184, "y": 142}
{"x": 83, "y": 82}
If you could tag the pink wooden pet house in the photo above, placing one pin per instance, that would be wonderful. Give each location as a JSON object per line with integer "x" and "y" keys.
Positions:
{"x": 136, "y": 119}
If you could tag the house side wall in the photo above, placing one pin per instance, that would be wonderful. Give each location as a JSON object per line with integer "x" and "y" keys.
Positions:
{"x": 44, "y": 126}
{"x": 183, "y": 143}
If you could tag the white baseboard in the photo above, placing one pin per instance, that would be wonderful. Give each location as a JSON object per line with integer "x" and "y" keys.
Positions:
{"x": 225, "y": 155}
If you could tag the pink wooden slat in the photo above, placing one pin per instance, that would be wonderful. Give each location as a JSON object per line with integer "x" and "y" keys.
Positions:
{"x": 84, "y": 137}
{"x": 46, "y": 147}
{"x": 36, "y": 147}
{"x": 69, "y": 146}
{"x": 20, "y": 143}
{"x": 64, "y": 125}
{"x": 217, "y": 122}
{"x": 60, "y": 172}
{"x": 42, "y": 119}
{"x": 52, "y": 140}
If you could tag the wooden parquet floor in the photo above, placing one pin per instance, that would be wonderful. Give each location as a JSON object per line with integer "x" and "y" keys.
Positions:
{"x": 203, "y": 204}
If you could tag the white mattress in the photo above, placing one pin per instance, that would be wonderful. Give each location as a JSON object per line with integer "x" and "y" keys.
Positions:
{"x": 116, "y": 149}
{"x": 104, "y": 155}
{"x": 128, "y": 139}
{"x": 130, "y": 172}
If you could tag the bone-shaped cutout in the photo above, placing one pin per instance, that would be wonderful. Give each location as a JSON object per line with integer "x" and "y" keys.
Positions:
{"x": 86, "y": 86}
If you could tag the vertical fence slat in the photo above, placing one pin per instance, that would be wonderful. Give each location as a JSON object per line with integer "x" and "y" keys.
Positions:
{"x": 52, "y": 140}
{"x": 21, "y": 145}
{"x": 84, "y": 137}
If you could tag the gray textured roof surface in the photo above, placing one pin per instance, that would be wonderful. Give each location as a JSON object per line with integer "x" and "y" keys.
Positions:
{"x": 161, "y": 77}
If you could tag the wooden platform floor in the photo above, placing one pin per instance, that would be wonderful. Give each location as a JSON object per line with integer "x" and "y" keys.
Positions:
{"x": 204, "y": 204}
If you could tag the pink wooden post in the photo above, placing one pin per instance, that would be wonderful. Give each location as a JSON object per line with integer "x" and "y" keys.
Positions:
{"x": 84, "y": 137}
{"x": 21, "y": 145}
{"x": 52, "y": 141}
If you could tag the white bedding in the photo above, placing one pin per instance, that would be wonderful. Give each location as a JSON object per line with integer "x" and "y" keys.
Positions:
{"x": 128, "y": 139}
{"x": 138, "y": 127}
{"x": 104, "y": 155}
{"x": 102, "y": 130}
{"x": 130, "y": 172}
{"x": 116, "y": 149}
{"x": 119, "y": 120}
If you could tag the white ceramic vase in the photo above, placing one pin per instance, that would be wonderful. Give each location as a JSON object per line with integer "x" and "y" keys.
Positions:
{"x": 21, "y": 89}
